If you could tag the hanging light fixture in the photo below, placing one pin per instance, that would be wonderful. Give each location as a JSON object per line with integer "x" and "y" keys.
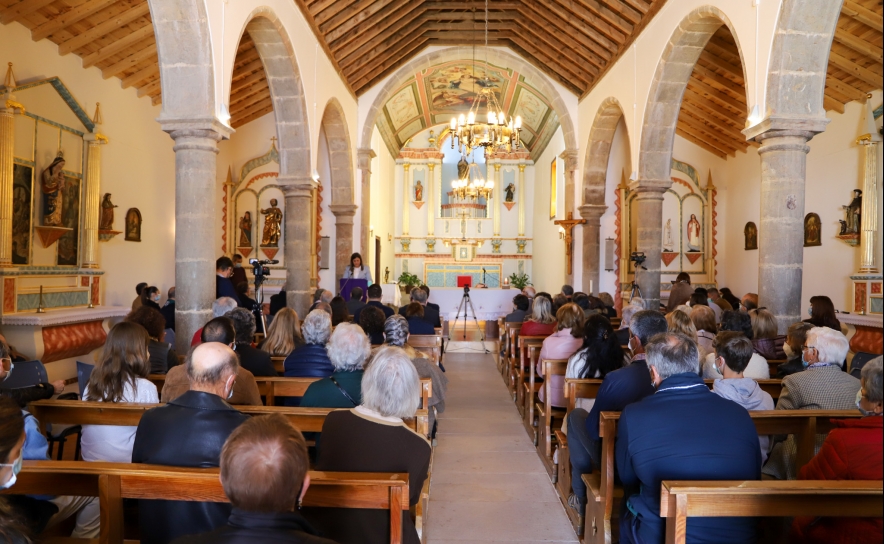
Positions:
{"x": 499, "y": 133}
{"x": 472, "y": 187}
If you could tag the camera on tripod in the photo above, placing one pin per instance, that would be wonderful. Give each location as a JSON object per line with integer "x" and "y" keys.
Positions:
{"x": 638, "y": 257}
{"x": 259, "y": 268}
{"x": 466, "y": 289}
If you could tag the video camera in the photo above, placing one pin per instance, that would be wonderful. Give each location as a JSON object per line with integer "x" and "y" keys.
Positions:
{"x": 638, "y": 257}
{"x": 259, "y": 268}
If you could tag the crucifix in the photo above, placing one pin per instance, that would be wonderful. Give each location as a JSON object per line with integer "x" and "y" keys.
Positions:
{"x": 567, "y": 225}
{"x": 463, "y": 214}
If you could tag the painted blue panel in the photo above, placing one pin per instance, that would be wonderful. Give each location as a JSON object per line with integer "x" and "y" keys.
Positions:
{"x": 53, "y": 300}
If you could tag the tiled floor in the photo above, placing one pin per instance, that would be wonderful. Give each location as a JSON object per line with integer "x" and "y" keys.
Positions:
{"x": 488, "y": 483}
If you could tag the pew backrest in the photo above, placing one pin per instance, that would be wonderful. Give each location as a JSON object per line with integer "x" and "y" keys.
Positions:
{"x": 430, "y": 344}
{"x": 278, "y": 364}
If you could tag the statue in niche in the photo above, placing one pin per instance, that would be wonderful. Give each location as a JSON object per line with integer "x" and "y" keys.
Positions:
{"x": 668, "y": 245}
{"x": 133, "y": 225}
{"x": 854, "y": 212}
{"x": 106, "y": 220}
{"x": 272, "y": 225}
{"x": 245, "y": 230}
{"x": 693, "y": 234}
{"x": 418, "y": 191}
{"x": 510, "y": 192}
{"x": 812, "y": 228}
{"x": 750, "y": 232}
{"x": 53, "y": 185}
{"x": 463, "y": 168}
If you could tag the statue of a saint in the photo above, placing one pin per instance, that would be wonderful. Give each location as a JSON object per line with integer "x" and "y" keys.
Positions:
{"x": 52, "y": 185}
{"x": 668, "y": 245}
{"x": 510, "y": 192}
{"x": 854, "y": 211}
{"x": 272, "y": 225}
{"x": 463, "y": 168}
{"x": 693, "y": 234}
{"x": 387, "y": 274}
{"x": 245, "y": 230}
{"x": 418, "y": 191}
{"x": 106, "y": 222}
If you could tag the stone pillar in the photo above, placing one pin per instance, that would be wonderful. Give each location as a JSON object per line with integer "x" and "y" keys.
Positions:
{"x": 298, "y": 201}
{"x": 7, "y": 143}
{"x": 195, "y": 173}
{"x": 363, "y": 163}
{"x": 92, "y": 199}
{"x": 431, "y": 183}
{"x": 406, "y": 198}
{"x": 781, "y": 230}
{"x": 591, "y": 234}
{"x": 869, "y": 214}
{"x": 522, "y": 200}
{"x": 344, "y": 237}
{"x": 649, "y": 209}
{"x": 496, "y": 210}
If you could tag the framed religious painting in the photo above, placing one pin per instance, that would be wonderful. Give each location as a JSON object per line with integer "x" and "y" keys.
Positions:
{"x": 812, "y": 228}
{"x": 750, "y": 233}
{"x": 133, "y": 225}
{"x": 553, "y": 194}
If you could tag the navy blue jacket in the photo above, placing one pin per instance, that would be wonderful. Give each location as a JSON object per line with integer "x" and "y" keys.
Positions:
{"x": 417, "y": 325}
{"x": 224, "y": 288}
{"x": 684, "y": 432}
{"x": 384, "y": 308}
{"x": 619, "y": 389}
{"x": 431, "y": 315}
{"x": 309, "y": 361}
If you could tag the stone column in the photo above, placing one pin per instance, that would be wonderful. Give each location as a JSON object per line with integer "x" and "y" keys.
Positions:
{"x": 298, "y": 201}
{"x": 431, "y": 183}
{"x": 363, "y": 163}
{"x": 649, "y": 209}
{"x": 591, "y": 234}
{"x": 496, "y": 209}
{"x": 781, "y": 230}
{"x": 92, "y": 199}
{"x": 343, "y": 237}
{"x": 869, "y": 214}
{"x": 522, "y": 200}
{"x": 7, "y": 143}
{"x": 195, "y": 183}
{"x": 406, "y": 198}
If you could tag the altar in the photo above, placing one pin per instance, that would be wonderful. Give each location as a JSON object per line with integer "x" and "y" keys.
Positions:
{"x": 488, "y": 303}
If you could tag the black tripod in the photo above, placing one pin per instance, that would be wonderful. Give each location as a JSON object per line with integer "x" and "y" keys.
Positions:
{"x": 465, "y": 304}
{"x": 258, "y": 310}
{"x": 636, "y": 288}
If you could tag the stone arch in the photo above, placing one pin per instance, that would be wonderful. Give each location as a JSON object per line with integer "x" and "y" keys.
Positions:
{"x": 595, "y": 173}
{"x": 658, "y": 133}
{"x": 337, "y": 137}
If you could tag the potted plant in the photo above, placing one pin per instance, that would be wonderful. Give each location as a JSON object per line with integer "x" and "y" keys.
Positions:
{"x": 407, "y": 282}
{"x": 520, "y": 281}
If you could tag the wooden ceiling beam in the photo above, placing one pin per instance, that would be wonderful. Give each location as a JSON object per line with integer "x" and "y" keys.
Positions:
{"x": 591, "y": 51}
{"x": 320, "y": 38}
{"x": 248, "y": 80}
{"x": 594, "y": 20}
{"x": 243, "y": 71}
{"x": 573, "y": 63}
{"x": 249, "y": 90}
{"x": 859, "y": 45}
{"x": 638, "y": 5}
{"x": 854, "y": 69}
{"x": 334, "y": 9}
{"x": 719, "y": 62}
{"x": 612, "y": 17}
{"x": 470, "y": 5}
{"x": 716, "y": 95}
{"x": 605, "y": 44}
{"x": 456, "y": 27}
{"x": 849, "y": 91}
{"x": 68, "y": 18}
{"x": 830, "y": 104}
{"x": 246, "y": 100}
{"x": 22, "y": 9}
{"x": 709, "y": 136}
{"x": 241, "y": 121}
{"x": 142, "y": 37}
{"x": 468, "y": 16}
{"x": 149, "y": 88}
{"x": 382, "y": 51}
{"x": 343, "y": 22}
{"x": 129, "y": 62}
{"x": 357, "y": 29}
{"x": 699, "y": 108}
{"x": 149, "y": 71}
{"x": 359, "y": 50}
{"x": 736, "y": 89}
{"x": 863, "y": 15}
{"x": 700, "y": 142}
{"x": 104, "y": 28}
{"x": 393, "y": 62}
{"x": 725, "y": 138}
{"x": 519, "y": 48}
{"x": 623, "y": 10}
{"x": 253, "y": 107}
{"x": 246, "y": 57}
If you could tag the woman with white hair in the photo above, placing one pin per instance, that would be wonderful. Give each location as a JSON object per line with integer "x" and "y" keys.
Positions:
{"x": 311, "y": 360}
{"x": 822, "y": 386}
{"x": 373, "y": 438}
{"x": 348, "y": 350}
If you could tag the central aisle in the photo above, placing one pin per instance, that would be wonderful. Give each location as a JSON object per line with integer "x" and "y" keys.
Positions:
{"x": 488, "y": 484}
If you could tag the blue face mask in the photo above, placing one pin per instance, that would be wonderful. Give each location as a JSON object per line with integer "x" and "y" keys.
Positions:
{"x": 804, "y": 362}
{"x": 810, "y": 311}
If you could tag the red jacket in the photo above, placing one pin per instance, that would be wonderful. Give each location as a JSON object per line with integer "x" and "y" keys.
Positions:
{"x": 852, "y": 451}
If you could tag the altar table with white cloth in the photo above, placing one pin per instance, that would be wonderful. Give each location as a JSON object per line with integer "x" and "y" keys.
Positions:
{"x": 488, "y": 303}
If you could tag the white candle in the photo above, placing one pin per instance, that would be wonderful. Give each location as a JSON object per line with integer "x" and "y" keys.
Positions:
{"x": 590, "y": 287}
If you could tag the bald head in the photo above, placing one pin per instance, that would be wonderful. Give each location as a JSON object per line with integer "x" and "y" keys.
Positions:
{"x": 212, "y": 367}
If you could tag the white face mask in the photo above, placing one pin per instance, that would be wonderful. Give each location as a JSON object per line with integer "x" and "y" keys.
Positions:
{"x": 16, "y": 468}
{"x": 787, "y": 349}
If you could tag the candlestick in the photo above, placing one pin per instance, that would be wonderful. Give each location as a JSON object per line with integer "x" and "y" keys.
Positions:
{"x": 40, "y": 309}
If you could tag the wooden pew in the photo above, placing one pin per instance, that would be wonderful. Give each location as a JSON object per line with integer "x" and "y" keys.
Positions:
{"x": 429, "y": 344}
{"x": 602, "y": 494}
{"x": 113, "y": 482}
{"x": 548, "y": 415}
{"x": 511, "y": 332}
{"x": 520, "y": 370}
{"x": 75, "y": 412}
{"x": 773, "y": 364}
{"x": 529, "y": 389}
{"x": 501, "y": 338}
{"x": 680, "y": 500}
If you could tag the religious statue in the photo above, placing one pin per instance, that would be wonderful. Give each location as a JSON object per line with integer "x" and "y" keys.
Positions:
{"x": 106, "y": 221}
{"x": 853, "y": 211}
{"x": 387, "y": 274}
{"x": 693, "y": 234}
{"x": 750, "y": 232}
{"x": 272, "y": 225}
{"x": 812, "y": 228}
{"x": 418, "y": 191}
{"x": 52, "y": 185}
{"x": 245, "y": 230}
{"x": 667, "y": 236}
{"x": 510, "y": 192}
{"x": 463, "y": 168}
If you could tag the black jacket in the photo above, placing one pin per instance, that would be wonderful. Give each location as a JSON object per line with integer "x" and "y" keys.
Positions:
{"x": 277, "y": 302}
{"x": 255, "y": 361}
{"x": 309, "y": 361}
{"x": 259, "y": 527}
{"x": 384, "y": 308}
{"x": 187, "y": 432}
{"x": 431, "y": 315}
{"x": 168, "y": 312}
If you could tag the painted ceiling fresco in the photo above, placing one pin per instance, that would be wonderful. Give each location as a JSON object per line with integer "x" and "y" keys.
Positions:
{"x": 433, "y": 96}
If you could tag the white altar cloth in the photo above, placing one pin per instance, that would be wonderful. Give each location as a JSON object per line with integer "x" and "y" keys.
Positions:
{"x": 488, "y": 303}
{"x": 392, "y": 295}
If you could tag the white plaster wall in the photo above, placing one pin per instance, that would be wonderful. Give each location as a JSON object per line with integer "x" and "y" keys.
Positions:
{"x": 327, "y": 279}
{"x": 618, "y": 166}
{"x": 138, "y": 166}
{"x": 549, "y": 251}
{"x": 383, "y": 216}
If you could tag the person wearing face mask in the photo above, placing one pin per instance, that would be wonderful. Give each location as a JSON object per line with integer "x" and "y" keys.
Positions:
{"x": 239, "y": 272}
{"x": 852, "y": 451}
{"x": 189, "y": 431}
{"x": 796, "y": 336}
{"x": 224, "y": 287}
{"x": 150, "y": 296}
{"x": 12, "y": 439}
{"x": 822, "y": 386}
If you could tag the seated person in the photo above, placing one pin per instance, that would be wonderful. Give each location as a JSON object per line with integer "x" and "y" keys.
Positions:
{"x": 254, "y": 360}
{"x": 431, "y": 314}
{"x": 619, "y": 389}
{"x": 373, "y": 438}
{"x": 561, "y": 345}
{"x": 608, "y": 302}
{"x": 704, "y": 322}
{"x": 737, "y": 322}
{"x": 162, "y": 355}
{"x": 732, "y": 354}
{"x": 542, "y": 321}
{"x": 23, "y": 395}
{"x": 852, "y": 451}
{"x": 371, "y": 320}
{"x": 219, "y": 308}
{"x": 264, "y": 471}
{"x": 375, "y": 294}
{"x": 355, "y": 303}
{"x": 796, "y": 337}
{"x": 348, "y": 350}
{"x": 680, "y": 323}
{"x": 340, "y": 313}
{"x": 767, "y": 342}
{"x": 636, "y": 304}
{"x": 599, "y": 355}
{"x": 13, "y": 528}
{"x": 823, "y": 386}
{"x": 189, "y": 431}
{"x": 682, "y": 432}
{"x": 520, "y": 309}
{"x": 245, "y": 390}
{"x": 283, "y": 334}
{"x": 414, "y": 314}
{"x": 311, "y": 360}
{"x": 248, "y": 303}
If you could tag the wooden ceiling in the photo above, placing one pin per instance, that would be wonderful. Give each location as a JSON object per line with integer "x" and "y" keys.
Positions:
{"x": 573, "y": 41}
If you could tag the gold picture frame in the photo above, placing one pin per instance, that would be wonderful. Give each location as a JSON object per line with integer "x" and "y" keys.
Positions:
{"x": 553, "y": 194}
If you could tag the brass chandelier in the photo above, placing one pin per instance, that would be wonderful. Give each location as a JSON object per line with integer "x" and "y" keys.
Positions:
{"x": 472, "y": 187}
